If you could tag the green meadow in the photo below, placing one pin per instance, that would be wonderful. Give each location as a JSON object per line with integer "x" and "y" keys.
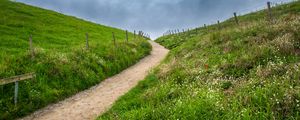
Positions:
{"x": 247, "y": 71}
{"x": 62, "y": 64}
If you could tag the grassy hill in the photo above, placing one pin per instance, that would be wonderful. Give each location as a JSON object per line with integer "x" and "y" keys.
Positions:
{"x": 227, "y": 71}
{"x": 62, "y": 65}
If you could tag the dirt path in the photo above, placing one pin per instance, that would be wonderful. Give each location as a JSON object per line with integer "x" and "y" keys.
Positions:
{"x": 89, "y": 104}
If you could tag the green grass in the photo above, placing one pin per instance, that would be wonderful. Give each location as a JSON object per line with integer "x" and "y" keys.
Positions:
{"x": 62, "y": 64}
{"x": 247, "y": 71}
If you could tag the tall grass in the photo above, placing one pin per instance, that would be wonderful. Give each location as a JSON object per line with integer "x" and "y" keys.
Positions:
{"x": 247, "y": 71}
{"x": 62, "y": 64}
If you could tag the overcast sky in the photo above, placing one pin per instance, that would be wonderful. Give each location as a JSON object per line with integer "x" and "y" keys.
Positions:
{"x": 152, "y": 16}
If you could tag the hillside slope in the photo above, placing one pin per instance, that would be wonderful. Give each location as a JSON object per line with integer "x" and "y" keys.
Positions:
{"x": 226, "y": 71}
{"x": 62, "y": 64}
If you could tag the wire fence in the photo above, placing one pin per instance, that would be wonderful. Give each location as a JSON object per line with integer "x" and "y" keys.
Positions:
{"x": 15, "y": 79}
{"x": 274, "y": 13}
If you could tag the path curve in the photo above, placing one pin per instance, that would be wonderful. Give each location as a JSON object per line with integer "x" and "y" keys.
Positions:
{"x": 95, "y": 101}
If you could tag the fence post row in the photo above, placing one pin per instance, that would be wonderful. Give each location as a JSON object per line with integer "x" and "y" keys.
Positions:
{"x": 87, "y": 41}
{"x": 269, "y": 12}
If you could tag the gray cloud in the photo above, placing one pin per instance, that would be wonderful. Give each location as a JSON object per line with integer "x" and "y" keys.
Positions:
{"x": 151, "y": 16}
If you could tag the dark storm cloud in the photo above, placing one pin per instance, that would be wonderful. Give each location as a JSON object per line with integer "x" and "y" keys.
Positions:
{"x": 152, "y": 16}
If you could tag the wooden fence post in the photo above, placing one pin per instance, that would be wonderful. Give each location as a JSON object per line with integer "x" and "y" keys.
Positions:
{"x": 236, "y": 19}
{"x": 31, "y": 47}
{"x": 270, "y": 12}
{"x": 16, "y": 92}
{"x": 134, "y": 34}
{"x": 114, "y": 39}
{"x": 127, "y": 36}
{"x": 115, "y": 44}
{"x": 2, "y": 89}
{"x": 219, "y": 27}
{"x": 87, "y": 41}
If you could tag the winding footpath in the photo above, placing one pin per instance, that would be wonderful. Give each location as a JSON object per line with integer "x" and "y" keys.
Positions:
{"x": 91, "y": 103}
